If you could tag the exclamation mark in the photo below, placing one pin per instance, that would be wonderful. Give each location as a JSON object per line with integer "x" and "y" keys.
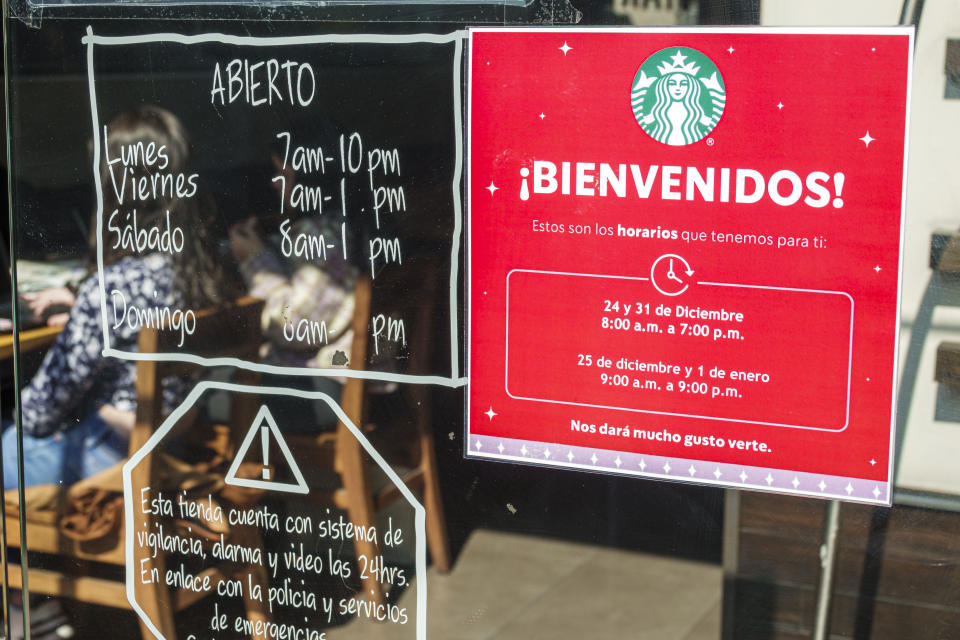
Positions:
{"x": 838, "y": 183}
{"x": 524, "y": 190}
{"x": 265, "y": 443}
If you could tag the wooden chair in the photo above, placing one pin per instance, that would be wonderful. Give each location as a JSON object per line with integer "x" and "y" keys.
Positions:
{"x": 230, "y": 331}
{"x": 357, "y": 494}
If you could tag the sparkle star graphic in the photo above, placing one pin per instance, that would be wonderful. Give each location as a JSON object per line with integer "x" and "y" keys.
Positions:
{"x": 877, "y": 268}
{"x": 780, "y": 106}
{"x": 542, "y": 115}
{"x": 866, "y": 139}
{"x": 490, "y": 413}
{"x": 731, "y": 49}
{"x": 492, "y": 188}
{"x": 565, "y": 48}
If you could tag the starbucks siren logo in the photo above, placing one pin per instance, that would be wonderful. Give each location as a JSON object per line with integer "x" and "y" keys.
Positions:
{"x": 686, "y": 99}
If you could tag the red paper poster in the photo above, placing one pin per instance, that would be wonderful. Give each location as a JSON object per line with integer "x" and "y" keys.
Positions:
{"x": 685, "y": 253}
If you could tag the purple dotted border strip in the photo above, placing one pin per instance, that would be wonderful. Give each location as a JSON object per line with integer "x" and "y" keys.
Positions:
{"x": 680, "y": 469}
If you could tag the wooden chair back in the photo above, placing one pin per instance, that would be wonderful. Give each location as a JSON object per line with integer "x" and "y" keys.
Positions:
{"x": 357, "y": 496}
{"x": 230, "y": 331}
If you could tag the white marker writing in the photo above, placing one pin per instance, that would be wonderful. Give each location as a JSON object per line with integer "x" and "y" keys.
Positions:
{"x": 256, "y": 84}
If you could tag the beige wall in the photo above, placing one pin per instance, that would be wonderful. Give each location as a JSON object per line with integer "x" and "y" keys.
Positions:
{"x": 933, "y": 202}
{"x": 822, "y": 13}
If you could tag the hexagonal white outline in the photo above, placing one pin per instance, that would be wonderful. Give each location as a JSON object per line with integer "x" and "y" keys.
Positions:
{"x": 419, "y": 512}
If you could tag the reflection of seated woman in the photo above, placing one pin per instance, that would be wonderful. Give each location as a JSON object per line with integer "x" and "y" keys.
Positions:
{"x": 297, "y": 292}
{"x": 78, "y": 410}
{"x": 300, "y": 293}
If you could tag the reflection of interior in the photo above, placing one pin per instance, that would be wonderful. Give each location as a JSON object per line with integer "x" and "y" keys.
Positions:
{"x": 82, "y": 524}
{"x": 539, "y": 553}
{"x": 79, "y": 530}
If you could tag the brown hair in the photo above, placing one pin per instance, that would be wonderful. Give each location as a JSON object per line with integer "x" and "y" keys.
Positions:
{"x": 199, "y": 277}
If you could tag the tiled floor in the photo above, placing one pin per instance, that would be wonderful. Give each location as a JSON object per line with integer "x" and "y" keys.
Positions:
{"x": 514, "y": 587}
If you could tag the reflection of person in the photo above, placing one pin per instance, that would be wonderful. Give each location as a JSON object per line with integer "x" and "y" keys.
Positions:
{"x": 40, "y": 302}
{"x": 78, "y": 409}
{"x": 300, "y": 292}
{"x": 300, "y": 295}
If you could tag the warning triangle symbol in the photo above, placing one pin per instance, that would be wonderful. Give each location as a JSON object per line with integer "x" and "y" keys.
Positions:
{"x": 264, "y": 427}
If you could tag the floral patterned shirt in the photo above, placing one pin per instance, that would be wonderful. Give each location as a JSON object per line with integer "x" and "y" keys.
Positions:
{"x": 75, "y": 378}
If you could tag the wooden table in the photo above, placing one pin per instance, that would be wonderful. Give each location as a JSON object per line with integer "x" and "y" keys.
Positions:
{"x": 30, "y": 340}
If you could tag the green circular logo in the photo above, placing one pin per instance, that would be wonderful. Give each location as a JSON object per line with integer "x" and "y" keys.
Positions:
{"x": 678, "y": 96}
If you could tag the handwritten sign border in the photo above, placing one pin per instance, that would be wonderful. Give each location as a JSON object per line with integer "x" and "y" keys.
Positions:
{"x": 457, "y": 38}
{"x": 420, "y": 522}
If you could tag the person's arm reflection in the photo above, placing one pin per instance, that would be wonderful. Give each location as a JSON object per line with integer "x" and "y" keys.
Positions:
{"x": 42, "y": 302}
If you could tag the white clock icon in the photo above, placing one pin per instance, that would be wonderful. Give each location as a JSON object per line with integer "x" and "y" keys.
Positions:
{"x": 670, "y": 274}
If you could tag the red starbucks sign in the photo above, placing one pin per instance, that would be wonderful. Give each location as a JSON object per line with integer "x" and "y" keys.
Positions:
{"x": 685, "y": 253}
